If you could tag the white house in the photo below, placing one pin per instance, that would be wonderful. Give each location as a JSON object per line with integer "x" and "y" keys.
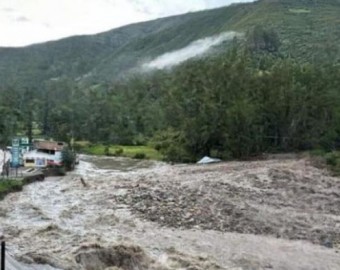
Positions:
{"x": 45, "y": 153}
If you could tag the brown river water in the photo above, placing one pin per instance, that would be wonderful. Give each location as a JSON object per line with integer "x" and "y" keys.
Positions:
{"x": 138, "y": 215}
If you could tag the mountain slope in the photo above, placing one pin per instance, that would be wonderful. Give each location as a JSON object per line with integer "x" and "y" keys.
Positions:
{"x": 308, "y": 30}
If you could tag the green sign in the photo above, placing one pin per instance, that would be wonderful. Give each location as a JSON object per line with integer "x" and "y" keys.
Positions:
{"x": 24, "y": 141}
{"x": 15, "y": 151}
{"x": 16, "y": 142}
{"x": 19, "y": 146}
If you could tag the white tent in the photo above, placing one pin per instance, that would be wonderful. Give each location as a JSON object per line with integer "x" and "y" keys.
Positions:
{"x": 208, "y": 160}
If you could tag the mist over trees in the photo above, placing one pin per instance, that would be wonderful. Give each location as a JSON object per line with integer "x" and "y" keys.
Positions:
{"x": 245, "y": 101}
{"x": 275, "y": 89}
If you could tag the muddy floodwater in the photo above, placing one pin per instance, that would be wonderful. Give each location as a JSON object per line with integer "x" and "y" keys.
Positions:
{"x": 137, "y": 215}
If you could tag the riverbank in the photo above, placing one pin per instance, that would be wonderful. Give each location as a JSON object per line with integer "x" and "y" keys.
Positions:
{"x": 136, "y": 152}
{"x": 329, "y": 160}
{"x": 9, "y": 185}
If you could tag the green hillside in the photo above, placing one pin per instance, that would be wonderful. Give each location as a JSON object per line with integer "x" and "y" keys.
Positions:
{"x": 308, "y": 30}
{"x": 276, "y": 89}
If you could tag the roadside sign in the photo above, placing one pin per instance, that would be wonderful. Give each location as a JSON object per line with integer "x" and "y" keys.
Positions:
{"x": 24, "y": 141}
{"x": 20, "y": 145}
{"x": 15, "y": 142}
{"x": 15, "y": 151}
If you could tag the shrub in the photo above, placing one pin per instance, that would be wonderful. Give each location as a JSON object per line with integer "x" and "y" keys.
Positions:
{"x": 318, "y": 152}
{"x": 333, "y": 161}
{"x": 78, "y": 147}
{"x": 119, "y": 152}
{"x": 332, "y": 158}
{"x": 68, "y": 159}
{"x": 107, "y": 151}
{"x": 7, "y": 186}
{"x": 139, "y": 156}
{"x": 139, "y": 140}
{"x": 171, "y": 144}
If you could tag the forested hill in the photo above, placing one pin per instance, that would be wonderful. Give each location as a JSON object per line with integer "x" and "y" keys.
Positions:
{"x": 273, "y": 88}
{"x": 308, "y": 30}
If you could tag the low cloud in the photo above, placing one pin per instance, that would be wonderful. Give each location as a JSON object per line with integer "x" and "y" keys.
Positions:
{"x": 7, "y": 9}
{"x": 66, "y": 18}
{"x": 22, "y": 19}
{"x": 194, "y": 49}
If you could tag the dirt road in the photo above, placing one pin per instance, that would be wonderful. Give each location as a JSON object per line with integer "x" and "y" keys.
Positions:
{"x": 276, "y": 214}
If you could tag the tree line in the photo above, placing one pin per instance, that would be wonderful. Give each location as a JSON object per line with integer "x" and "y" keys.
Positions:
{"x": 247, "y": 100}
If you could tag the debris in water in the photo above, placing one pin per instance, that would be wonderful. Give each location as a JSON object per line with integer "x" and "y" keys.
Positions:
{"x": 125, "y": 257}
{"x": 274, "y": 201}
{"x": 83, "y": 181}
{"x": 95, "y": 257}
{"x": 208, "y": 160}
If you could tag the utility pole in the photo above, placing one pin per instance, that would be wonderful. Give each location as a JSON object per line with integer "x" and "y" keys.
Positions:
{"x": 3, "y": 251}
{"x": 5, "y": 169}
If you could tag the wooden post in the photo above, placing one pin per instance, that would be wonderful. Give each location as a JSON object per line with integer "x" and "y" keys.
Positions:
{"x": 3, "y": 250}
{"x": 4, "y": 161}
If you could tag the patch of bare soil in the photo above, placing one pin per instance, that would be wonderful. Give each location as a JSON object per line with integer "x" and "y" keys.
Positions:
{"x": 291, "y": 200}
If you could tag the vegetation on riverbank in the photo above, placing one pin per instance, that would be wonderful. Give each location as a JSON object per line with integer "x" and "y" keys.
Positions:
{"x": 276, "y": 89}
{"x": 330, "y": 160}
{"x": 8, "y": 185}
{"x": 333, "y": 161}
{"x": 137, "y": 152}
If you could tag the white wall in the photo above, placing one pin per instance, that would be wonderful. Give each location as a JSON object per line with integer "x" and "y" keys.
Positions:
{"x": 4, "y": 159}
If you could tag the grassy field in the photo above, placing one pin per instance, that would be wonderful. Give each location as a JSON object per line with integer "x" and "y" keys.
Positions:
{"x": 8, "y": 186}
{"x": 140, "y": 152}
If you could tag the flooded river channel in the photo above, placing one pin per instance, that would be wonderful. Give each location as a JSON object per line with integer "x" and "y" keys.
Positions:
{"x": 138, "y": 215}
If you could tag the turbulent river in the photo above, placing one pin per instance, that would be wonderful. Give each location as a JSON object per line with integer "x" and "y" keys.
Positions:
{"x": 139, "y": 215}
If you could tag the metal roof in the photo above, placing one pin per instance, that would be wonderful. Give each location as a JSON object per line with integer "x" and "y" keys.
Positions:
{"x": 49, "y": 145}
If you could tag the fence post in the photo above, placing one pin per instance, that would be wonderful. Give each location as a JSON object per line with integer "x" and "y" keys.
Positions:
{"x": 3, "y": 250}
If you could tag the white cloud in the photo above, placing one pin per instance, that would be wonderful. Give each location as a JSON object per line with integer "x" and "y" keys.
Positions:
{"x": 24, "y": 22}
{"x": 195, "y": 49}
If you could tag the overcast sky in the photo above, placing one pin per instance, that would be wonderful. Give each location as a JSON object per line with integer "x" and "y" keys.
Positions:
{"x": 24, "y": 22}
